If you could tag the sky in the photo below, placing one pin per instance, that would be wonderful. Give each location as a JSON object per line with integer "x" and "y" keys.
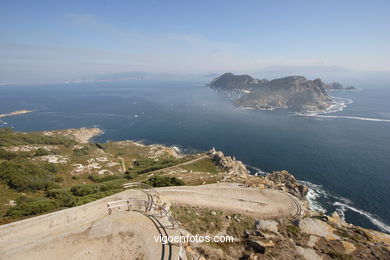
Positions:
{"x": 59, "y": 40}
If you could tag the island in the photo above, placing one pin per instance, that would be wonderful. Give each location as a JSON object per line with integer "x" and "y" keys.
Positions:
{"x": 295, "y": 93}
{"x": 19, "y": 112}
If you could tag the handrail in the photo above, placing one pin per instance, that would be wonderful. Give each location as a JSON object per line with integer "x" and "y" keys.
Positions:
{"x": 149, "y": 205}
{"x": 143, "y": 186}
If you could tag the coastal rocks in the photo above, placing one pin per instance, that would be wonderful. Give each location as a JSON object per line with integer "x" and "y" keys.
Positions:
{"x": 227, "y": 163}
{"x": 317, "y": 227}
{"x": 267, "y": 225}
{"x": 285, "y": 181}
{"x": 81, "y": 135}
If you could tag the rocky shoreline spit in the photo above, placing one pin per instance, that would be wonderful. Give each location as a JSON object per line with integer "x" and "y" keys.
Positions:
{"x": 19, "y": 112}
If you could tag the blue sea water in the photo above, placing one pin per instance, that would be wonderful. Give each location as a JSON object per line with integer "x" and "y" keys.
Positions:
{"x": 345, "y": 161}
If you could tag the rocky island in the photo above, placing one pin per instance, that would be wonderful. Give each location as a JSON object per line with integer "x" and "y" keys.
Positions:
{"x": 109, "y": 200}
{"x": 295, "y": 93}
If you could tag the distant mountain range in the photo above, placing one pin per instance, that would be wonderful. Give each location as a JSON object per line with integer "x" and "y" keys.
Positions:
{"x": 295, "y": 93}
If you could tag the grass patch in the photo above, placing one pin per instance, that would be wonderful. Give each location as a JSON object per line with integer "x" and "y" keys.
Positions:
{"x": 144, "y": 165}
{"x": 8, "y": 137}
{"x": 293, "y": 230}
{"x": 204, "y": 165}
{"x": 237, "y": 228}
{"x": 198, "y": 220}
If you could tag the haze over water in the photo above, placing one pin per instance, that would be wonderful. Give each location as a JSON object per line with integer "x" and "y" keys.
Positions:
{"x": 348, "y": 156}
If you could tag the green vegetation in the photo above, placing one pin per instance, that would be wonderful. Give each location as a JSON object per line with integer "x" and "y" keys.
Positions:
{"x": 8, "y": 137}
{"x": 237, "y": 228}
{"x": 43, "y": 152}
{"x": 198, "y": 220}
{"x": 27, "y": 176}
{"x": 81, "y": 151}
{"x": 100, "y": 179}
{"x": 5, "y": 155}
{"x": 204, "y": 165}
{"x": 163, "y": 181}
{"x": 293, "y": 230}
{"x": 31, "y": 206}
{"x": 145, "y": 165}
{"x": 86, "y": 189}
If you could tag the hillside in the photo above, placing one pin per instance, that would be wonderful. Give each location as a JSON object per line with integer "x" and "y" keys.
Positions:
{"x": 71, "y": 183}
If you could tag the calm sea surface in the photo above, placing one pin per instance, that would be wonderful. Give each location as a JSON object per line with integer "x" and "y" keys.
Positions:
{"x": 346, "y": 161}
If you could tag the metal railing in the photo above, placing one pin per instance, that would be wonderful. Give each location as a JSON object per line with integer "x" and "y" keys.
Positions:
{"x": 143, "y": 206}
{"x": 147, "y": 189}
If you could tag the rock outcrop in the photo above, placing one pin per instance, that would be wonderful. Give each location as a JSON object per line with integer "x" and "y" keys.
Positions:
{"x": 228, "y": 163}
{"x": 285, "y": 181}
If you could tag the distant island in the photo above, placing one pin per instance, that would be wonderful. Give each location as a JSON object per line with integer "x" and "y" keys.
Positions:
{"x": 295, "y": 93}
{"x": 19, "y": 112}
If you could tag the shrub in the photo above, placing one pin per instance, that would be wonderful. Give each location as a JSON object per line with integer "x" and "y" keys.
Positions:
{"x": 8, "y": 137}
{"x": 86, "y": 189}
{"x": 145, "y": 165}
{"x": 163, "y": 181}
{"x": 5, "y": 155}
{"x": 81, "y": 151}
{"x": 58, "y": 179}
{"x": 100, "y": 179}
{"x": 26, "y": 207}
{"x": 82, "y": 190}
{"x": 25, "y": 176}
{"x": 41, "y": 152}
{"x": 64, "y": 198}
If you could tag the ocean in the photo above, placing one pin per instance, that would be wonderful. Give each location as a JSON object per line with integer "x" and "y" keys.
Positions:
{"x": 343, "y": 156}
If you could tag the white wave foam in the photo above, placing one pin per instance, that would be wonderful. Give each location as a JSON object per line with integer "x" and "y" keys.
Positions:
{"x": 351, "y": 117}
{"x": 314, "y": 193}
{"x": 177, "y": 149}
{"x": 343, "y": 207}
{"x": 257, "y": 171}
{"x": 341, "y": 204}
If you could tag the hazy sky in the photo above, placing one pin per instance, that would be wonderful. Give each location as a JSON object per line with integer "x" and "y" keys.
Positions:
{"x": 48, "y": 40}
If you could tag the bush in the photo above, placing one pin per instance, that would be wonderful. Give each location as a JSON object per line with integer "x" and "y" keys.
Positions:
{"x": 81, "y": 151}
{"x": 58, "y": 179}
{"x": 163, "y": 181}
{"x": 82, "y": 190}
{"x": 64, "y": 198}
{"x": 26, "y": 207}
{"x": 26, "y": 176}
{"x": 8, "y": 137}
{"x": 147, "y": 165}
{"x": 100, "y": 179}
{"x": 41, "y": 152}
{"x": 86, "y": 189}
{"x": 5, "y": 155}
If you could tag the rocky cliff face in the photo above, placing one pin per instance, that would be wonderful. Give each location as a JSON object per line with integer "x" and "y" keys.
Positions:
{"x": 227, "y": 163}
{"x": 294, "y": 93}
{"x": 283, "y": 180}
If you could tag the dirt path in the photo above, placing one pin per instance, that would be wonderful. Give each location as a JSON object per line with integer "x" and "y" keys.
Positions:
{"x": 264, "y": 203}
